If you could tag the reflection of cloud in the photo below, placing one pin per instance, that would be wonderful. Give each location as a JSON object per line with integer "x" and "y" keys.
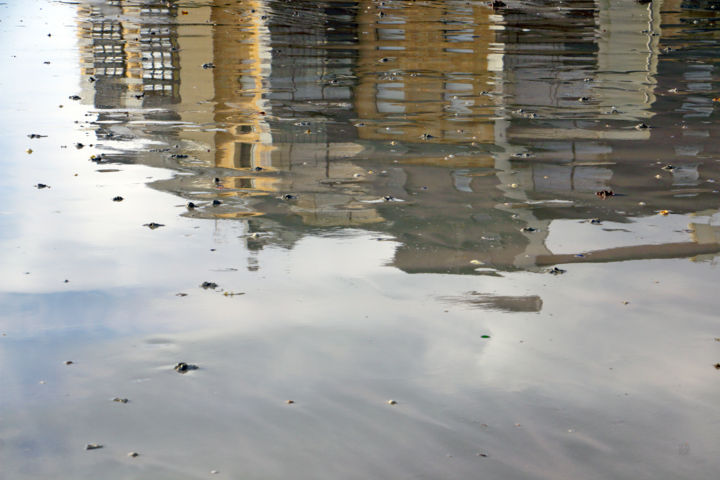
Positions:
{"x": 530, "y": 303}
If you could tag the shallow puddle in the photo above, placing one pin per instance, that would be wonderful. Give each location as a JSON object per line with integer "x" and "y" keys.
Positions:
{"x": 346, "y": 215}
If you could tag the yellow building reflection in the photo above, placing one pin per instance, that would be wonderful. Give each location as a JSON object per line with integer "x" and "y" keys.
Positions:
{"x": 424, "y": 73}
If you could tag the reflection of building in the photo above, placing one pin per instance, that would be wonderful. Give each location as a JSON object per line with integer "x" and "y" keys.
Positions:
{"x": 507, "y": 125}
{"x": 132, "y": 52}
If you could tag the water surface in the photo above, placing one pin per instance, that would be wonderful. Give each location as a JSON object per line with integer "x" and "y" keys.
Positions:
{"x": 379, "y": 190}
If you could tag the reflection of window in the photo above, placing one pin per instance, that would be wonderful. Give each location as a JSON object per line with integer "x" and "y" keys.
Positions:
{"x": 243, "y": 155}
{"x": 159, "y": 58}
{"x": 107, "y": 49}
{"x": 389, "y": 97}
{"x": 390, "y": 34}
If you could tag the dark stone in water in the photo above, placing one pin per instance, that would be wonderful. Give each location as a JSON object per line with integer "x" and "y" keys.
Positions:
{"x": 183, "y": 367}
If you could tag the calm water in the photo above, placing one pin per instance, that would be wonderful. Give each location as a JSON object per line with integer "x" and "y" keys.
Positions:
{"x": 379, "y": 191}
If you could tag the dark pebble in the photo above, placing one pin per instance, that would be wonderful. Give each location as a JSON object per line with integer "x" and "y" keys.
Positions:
{"x": 183, "y": 367}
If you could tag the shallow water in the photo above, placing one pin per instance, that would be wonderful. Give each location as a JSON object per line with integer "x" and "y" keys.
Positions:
{"x": 395, "y": 181}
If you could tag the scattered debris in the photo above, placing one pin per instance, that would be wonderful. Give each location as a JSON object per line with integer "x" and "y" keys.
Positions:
{"x": 93, "y": 446}
{"x": 118, "y": 199}
{"x": 388, "y": 198}
{"x": 79, "y": 145}
{"x": 289, "y": 196}
{"x": 179, "y": 155}
{"x": 191, "y": 206}
{"x": 40, "y": 186}
{"x": 584, "y": 99}
{"x": 669, "y": 167}
{"x": 528, "y": 229}
{"x": 595, "y": 221}
{"x": 69, "y": 362}
{"x": 485, "y": 336}
{"x": 426, "y": 136}
{"x": 232, "y": 294}
{"x": 153, "y": 225}
{"x": 120, "y": 400}
{"x": 74, "y": 97}
{"x": 216, "y": 203}
{"x": 181, "y": 294}
{"x": 392, "y": 402}
{"x": 208, "y": 65}
{"x": 289, "y": 402}
{"x": 605, "y": 194}
{"x": 36, "y": 135}
{"x": 183, "y": 367}
{"x": 209, "y": 285}
{"x": 133, "y": 454}
{"x": 556, "y": 271}
{"x": 664, "y": 213}
{"x": 641, "y": 126}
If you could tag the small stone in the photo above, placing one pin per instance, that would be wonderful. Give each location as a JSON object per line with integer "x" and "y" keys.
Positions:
{"x": 216, "y": 203}
{"x": 40, "y": 186}
{"x": 120, "y": 400}
{"x": 208, "y": 65}
{"x": 214, "y": 472}
{"x": 556, "y": 271}
{"x": 133, "y": 454}
{"x": 529, "y": 229}
{"x": 93, "y": 446}
{"x": 183, "y": 367}
{"x": 69, "y": 362}
{"x": 153, "y": 225}
{"x": 641, "y": 126}
{"x": 289, "y": 196}
{"x": 118, "y": 199}
{"x": 717, "y": 366}
{"x": 289, "y": 402}
{"x": 392, "y": 402}
{"x": 74, "y": 97}
{"x": 209, "y": 285}
{"x": 191, "y": 206}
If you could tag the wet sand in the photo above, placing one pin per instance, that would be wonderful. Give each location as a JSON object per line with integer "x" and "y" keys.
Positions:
{"x": 386, "y": 219}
